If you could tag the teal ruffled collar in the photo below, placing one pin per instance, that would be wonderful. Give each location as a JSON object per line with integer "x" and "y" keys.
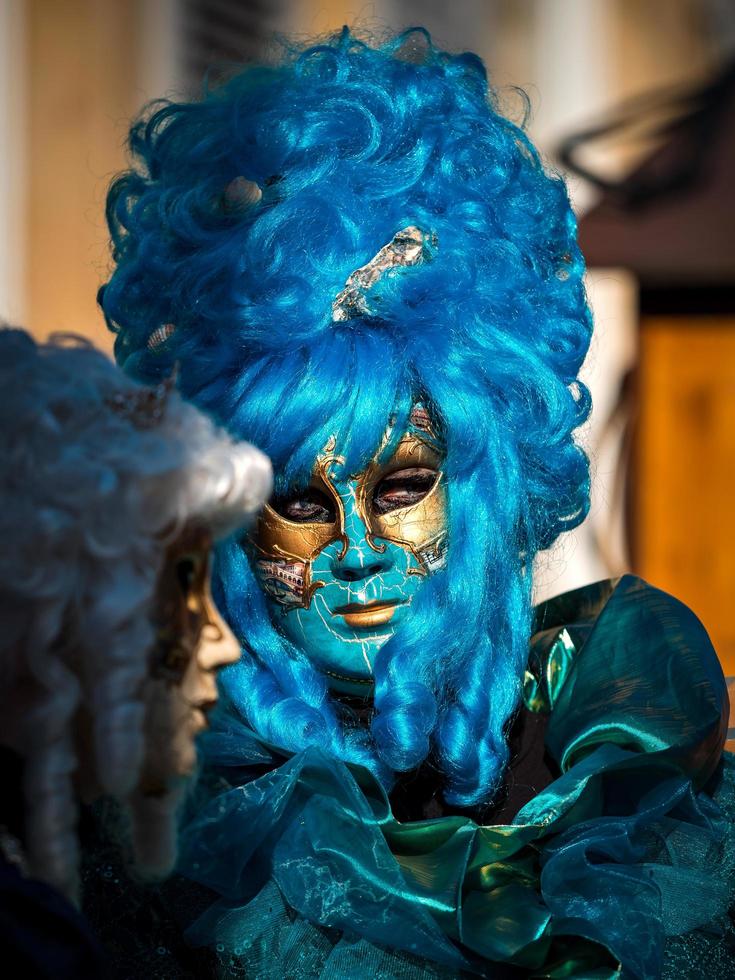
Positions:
{"x": 587, "y": 881}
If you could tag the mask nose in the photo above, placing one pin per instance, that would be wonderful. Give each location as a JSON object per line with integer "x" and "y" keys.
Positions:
{"x": 360, "y": 561}
{"x": 354, "y": 568}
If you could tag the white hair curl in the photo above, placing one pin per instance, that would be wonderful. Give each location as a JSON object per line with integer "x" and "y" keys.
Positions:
{"x": 89, "y": 501}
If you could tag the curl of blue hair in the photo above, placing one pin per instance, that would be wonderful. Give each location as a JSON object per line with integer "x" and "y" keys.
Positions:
{"x": 350, "y": 143}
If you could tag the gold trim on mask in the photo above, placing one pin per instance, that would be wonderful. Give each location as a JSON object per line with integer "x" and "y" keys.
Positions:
{"x": 277, "y": 536}
{"x": 420, "y": 527}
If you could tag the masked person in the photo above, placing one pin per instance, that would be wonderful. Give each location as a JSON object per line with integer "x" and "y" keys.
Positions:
{"x": 112, "y": 494}
{"x": 360, "y": 263}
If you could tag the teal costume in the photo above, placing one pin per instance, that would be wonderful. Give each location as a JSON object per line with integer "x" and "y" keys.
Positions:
{"x": 624, "y": 865}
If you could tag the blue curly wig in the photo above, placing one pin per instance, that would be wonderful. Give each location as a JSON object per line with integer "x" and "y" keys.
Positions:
{"x": 351, "y": 143}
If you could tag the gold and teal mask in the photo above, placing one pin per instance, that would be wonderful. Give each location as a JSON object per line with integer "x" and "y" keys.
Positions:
{"x": 341, "y": 560}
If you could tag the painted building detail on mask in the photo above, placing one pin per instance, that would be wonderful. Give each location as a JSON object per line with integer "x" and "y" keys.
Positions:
{"x": 421, "y": 420}
{"x": 434, "y": 555}
{"x": 282, "y": 580}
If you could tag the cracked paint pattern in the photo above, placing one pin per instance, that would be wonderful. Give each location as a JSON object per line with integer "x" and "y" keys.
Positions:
{"x": 363, "y": 575}
{"x": 359, "y": 569}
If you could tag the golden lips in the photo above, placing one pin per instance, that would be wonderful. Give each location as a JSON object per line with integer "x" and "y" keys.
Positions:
{"x": 359, "y": 615}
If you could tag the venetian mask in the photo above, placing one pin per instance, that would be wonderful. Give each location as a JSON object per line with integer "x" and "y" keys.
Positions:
{"x": 341, "y": 560}
{"x": 193, "y": 643}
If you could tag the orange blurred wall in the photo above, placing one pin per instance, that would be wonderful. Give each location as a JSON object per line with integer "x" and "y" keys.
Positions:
{"x": 82, "y": 60}
{"x": 685, "y": 468}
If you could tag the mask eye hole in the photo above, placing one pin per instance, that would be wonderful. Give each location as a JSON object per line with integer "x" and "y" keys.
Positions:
{"x": 309, "y": 506}
{"x": 403, "y": 488}
{"x": 190, "y": 571}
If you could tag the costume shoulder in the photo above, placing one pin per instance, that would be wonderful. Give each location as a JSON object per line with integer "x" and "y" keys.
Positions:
{"x": 622, "y": 663}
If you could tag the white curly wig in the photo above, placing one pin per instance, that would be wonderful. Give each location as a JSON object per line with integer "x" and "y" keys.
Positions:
{"x": 89, "y": 501}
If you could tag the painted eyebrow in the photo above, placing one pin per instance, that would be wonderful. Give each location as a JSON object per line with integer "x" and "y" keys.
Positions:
{"x": 407, "y": 472}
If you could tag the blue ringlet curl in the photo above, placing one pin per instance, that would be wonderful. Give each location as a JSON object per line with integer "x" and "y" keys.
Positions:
{"x": 349, "y": 143}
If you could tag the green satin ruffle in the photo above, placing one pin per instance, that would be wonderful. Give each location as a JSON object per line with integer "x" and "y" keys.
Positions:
{"x": 579, "y": 884}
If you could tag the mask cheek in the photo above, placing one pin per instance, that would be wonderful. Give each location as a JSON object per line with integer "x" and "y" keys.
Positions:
{"x": 321, "y": 635}
{"x": 294, "y": 612}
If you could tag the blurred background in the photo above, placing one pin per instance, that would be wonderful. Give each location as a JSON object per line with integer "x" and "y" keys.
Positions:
{"x": 633, "y": 99}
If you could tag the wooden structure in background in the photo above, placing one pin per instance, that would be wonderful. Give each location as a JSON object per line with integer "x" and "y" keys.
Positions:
{"x": 670, "y": 223}
{"x": 685, "y": 468}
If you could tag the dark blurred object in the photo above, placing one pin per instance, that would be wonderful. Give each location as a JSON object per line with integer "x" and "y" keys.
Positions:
{"x": 221, "y": 34}
{"x": 670, "y": 221}
{"x": 42, "y": 935}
